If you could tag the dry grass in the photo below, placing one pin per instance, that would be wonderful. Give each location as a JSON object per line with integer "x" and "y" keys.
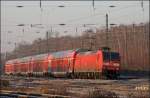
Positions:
{"x": 83, "y": 89}
{"x": 60, "y": 90}
{"x": 138, "y": 95}
{"x": 44, "y": 90}
{"x": 100, "y": 93}
{"x": 55, "y": 90}
{"x": 4, "y": 83}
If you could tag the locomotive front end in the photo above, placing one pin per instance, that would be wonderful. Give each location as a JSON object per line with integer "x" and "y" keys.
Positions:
{"x": 111, "y": 64}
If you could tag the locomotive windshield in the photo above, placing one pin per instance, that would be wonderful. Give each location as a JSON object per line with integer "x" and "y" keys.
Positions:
{"x": 110, "y": 56}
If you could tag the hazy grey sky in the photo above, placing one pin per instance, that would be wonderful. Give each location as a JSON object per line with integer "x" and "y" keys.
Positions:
{"x": 74, "y": 15}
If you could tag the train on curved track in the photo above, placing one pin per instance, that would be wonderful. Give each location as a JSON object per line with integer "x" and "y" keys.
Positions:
{"x": 77, "y": 63}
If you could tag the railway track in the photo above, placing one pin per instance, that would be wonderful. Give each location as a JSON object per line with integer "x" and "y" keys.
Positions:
{"x": 69, "y": 87}
{"x": 16, "y": 94}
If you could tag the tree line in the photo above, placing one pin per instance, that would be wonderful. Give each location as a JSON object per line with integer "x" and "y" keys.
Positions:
{"x": 131, "y": 41}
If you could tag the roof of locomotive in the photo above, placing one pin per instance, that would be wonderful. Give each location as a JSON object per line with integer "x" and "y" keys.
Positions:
{"x": 87, "y": 52}
{"x": 79, "y": 50}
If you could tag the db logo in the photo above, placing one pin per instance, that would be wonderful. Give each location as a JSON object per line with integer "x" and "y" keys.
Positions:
{"x": 144, "y": 88}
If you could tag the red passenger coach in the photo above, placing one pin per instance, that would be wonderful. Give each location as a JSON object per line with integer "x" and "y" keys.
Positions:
{"x": 30, "y": 67}
{"x": 9, "y": 68}
{"x": 15, "y": 67}
{"x": 62, "y": 63}
{"x": 39, "y": 65}
{"x": 23, "y": 65}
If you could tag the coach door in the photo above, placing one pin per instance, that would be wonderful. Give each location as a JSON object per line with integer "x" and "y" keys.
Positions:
{"x": 49, "y": 66}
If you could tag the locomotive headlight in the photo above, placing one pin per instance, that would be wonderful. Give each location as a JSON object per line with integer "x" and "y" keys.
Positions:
{"x": 106, "y": 64}
{"x": 49, "y": 61}
{"x": 116, "y": 64}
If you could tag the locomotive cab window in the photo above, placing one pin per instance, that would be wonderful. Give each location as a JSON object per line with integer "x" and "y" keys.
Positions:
{"x": 111, "y": 56}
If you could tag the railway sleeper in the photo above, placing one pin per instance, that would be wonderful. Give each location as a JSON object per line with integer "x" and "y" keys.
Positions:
{"x": 111, "y": 74}
{"x": 88, "y": 75}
